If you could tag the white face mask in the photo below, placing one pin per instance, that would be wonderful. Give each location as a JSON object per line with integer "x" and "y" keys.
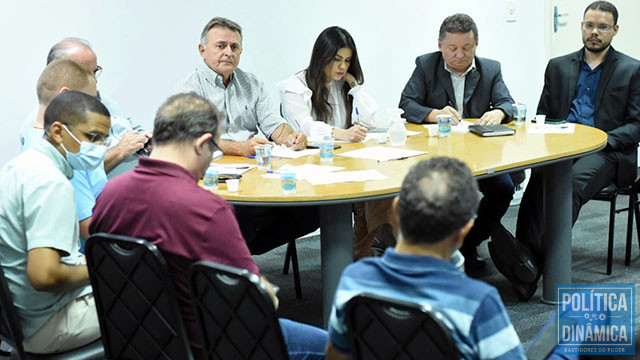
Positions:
{"x": 89, "y": 157}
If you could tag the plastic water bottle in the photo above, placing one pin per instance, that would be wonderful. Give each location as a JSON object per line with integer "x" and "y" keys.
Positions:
{"x": 397, "y": 131}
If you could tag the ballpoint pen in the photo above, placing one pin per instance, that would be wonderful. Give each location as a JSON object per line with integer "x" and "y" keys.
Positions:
{"x": 400, "y": 158}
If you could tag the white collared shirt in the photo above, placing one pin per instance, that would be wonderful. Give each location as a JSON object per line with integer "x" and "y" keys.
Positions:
{"x": 297, "y": 107}
{"x": 458, "y": 85}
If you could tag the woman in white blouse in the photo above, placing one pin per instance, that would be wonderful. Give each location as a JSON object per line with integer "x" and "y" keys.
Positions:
{"x": 328, "y": 99}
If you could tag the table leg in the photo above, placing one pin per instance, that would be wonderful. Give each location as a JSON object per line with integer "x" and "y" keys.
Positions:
{"x": 556, "y": 247}
{"x": 336, "y": 250}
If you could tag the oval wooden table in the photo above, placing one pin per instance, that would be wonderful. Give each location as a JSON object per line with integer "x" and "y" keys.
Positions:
{"x": 485, "y": 156}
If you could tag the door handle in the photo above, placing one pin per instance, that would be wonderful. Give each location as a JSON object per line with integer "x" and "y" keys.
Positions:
{"x": 556, "y": 15}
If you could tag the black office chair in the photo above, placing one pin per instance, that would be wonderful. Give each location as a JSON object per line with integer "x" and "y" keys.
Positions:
{"x": 136, "y": 302}
{"x": 383, "y": 328}
{"x": 235, "y": 313}
{"x": 11, "y": 333}
{"x": 610, "y": 194}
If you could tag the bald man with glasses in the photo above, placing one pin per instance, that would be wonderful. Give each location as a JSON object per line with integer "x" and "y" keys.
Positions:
{"x": 127, "y": 139}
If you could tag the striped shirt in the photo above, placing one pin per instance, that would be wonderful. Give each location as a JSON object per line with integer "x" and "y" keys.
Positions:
{"x": 480, "y": 324}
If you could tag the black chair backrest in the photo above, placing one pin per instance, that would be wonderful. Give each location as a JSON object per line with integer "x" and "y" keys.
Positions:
{"x": 10, "y": 328}
{"x": 235, "y": 313}
{"x": 11, "y": 333}
{"x": 383, "y": 328}
{"x": 136, "y": 302}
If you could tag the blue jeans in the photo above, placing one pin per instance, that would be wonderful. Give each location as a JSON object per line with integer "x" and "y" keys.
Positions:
{"x": 304, "y": 342}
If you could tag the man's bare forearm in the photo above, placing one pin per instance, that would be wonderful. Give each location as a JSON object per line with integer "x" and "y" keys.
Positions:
{"x": 281, "y": 133}
{"x": 113, "y": 157}
{"x": 233, "y": 147}
{"x": 46, "y": 273}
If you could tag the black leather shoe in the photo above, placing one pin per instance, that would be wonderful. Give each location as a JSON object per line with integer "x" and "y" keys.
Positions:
{"x": 472, "y": 260}
{"x": 384, "y": 239}
{"x": 524, "y": 292}
{"x": 511, "y": 258}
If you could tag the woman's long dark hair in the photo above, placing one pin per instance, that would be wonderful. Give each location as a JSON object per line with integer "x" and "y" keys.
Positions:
{"x": 324, "y": 50}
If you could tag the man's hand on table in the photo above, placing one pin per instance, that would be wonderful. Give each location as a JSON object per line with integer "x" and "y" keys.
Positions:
{"x": 296, "y": 140}
{"x": 492, "y": 117}
{"x": 432, "y": 117}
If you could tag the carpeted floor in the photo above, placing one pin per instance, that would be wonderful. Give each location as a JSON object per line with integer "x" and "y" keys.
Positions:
{"x": 589, "y": 265}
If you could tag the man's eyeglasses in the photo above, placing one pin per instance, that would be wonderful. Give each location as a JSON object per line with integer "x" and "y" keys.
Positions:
{"x": 603, "y": 28}
{"x": 215, "y": 145}
{"x": 217, "y": 151}
{"x": 97, "y": 71}
{"x": 95, "y": 138}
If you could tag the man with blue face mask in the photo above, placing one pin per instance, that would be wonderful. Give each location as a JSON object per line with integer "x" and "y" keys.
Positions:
{"x": 46, "y": 274}
{"x": 60, "y": 76}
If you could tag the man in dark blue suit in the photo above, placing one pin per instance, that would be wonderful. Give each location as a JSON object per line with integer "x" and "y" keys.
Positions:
{"x": 455, "y": 81}
{"x": 595, "y": 86}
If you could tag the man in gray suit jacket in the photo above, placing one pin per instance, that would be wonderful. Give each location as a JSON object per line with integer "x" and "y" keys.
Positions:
{"x": 595, "y": 86}
{"x": 454, "y": 81}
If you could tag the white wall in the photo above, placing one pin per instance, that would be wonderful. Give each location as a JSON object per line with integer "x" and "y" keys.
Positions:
{"x": 145, "y": 48}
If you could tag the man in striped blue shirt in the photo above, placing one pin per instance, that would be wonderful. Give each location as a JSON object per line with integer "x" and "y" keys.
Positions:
{"x": 436, "y": 207}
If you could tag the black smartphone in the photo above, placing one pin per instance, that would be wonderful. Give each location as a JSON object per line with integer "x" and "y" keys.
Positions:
{"x": 225, "y": 177}
{"x": 146, "y": 149}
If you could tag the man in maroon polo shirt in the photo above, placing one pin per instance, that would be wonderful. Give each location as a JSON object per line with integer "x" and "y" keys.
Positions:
{"x": 160, "y": 201}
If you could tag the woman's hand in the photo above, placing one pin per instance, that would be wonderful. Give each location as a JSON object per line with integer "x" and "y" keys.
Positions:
{"x": 356, "y": 133}
{"x": 351, "y": 80}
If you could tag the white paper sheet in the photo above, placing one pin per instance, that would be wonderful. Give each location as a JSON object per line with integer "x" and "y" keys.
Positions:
{"x": 303, "y": 172}
{"x": 287, "y": 153}
{"x": 568, "y": 128}
{"x": 381, "y": 153}
{"x": 317, "y": 139}
{"x": 462, "y": 127}
{"x": 346, "y": 176}
{"x": 370, "y": 136}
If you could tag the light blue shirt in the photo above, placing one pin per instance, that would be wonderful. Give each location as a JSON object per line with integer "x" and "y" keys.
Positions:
{"x": 37, "y": 209}
{"x": 244, "y": 101}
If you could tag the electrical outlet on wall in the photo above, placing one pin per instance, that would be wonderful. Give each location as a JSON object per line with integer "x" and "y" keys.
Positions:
{"x": 511, "y": 11}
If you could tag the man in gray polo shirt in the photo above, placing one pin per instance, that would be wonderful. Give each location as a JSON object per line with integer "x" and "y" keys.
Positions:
{"x": 46, "y": 274}
{"x": 248, "y": 108}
